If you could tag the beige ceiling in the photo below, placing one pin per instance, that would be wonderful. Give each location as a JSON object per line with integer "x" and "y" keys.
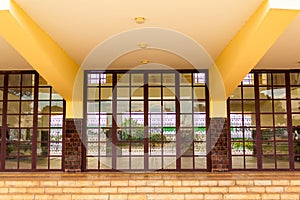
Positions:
{"x": 133, "y": 59}
{"x": 78, "y": 26}
{"x": 285, "y": 53}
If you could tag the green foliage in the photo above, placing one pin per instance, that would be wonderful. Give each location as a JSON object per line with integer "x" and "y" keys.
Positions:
{"x": 137, "y": 132}
{"x": 239, "y": 145}
{"x": 156, "y": 137}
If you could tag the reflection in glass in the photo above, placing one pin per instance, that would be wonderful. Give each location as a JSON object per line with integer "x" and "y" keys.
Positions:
{"x": 265, "y": 93}
{"x": 168, "y": 79}
{"x": 13, "y": 120}
{"x": 44, "y": 93}
{"x": 26, "y": 120}
{"x": 28, "y": 79}
{"x": 137, "y": 106}
{"x": 106, "y": 93}
{"x": 122, "y": 106}
{"x": 266, "y": 106}
{"x": 248, "y": 93}
{"x": 25, "y": 163}
{"x": 137, "y": 79}
{"x": 14, "y": 80}
{"x": 93, "y": 93}
{"x": 43, "y": 120}
{"x": 154, "y": 79}
{"x": 43, "y": 106}
{"x": 281, "y": 134}
{"x": 266, "y": 120}
{"x": 249, "y": 106}
{"x": 279, "y": 93}
{"x": 55, "y": 95}
{"x": 186, "y": 120}
{"x": 13, "y": 107}
{"x": 27, "y": 94}
{"x": 13, "y": 94}
{"x": 251, "y": 162}
{"x": 155, "y": 106}
{"x": 236, "y": 94}
{"x": 186, "y": 93}
{"x": 199, "y": 106}
{"x": 169, "y": 106}
{"x": 187, "y": 162}
{"x": 1, "y": 80}
{"x": 154, "y": 93}
{"x": 282, "y": 148}
{"x": 186, "y": 106}
{"x": 169, "y": 120}
{"x": 295, "y": 78}
{"x": 123, "y": 93}
{"x": 199, "y": 92}
{"x": 169, "y": 93}
{"x": 268, "y": 162}
{"x": 280, "y": 106}
{"x": 26, "y": 134}
{"x": 295, "y": 105}
{"x": 137, "y": 93}
{"x": 267, "y": 148}
{"x": 186, "y": 79}
{"x": 106, "y": 106}
{"x": 278, "y": 78}
{"x": 123, "y": 79}
{"x": 25, "y": 149}
{"x": 27, "y": 107}
{"x": 106, "y": 80}
{"x": 235, "y": 106}
{"x": 237, "y": 162}
{"x": 280, "y": 119}
{"x": 154, "y": 120}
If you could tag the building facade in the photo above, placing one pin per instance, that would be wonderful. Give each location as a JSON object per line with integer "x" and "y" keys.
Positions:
{"x": 155, "y": 120}
{"x": 204, "y": 88}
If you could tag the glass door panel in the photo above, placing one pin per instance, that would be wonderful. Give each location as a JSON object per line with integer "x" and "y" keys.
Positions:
{"x": 139, "y": 121}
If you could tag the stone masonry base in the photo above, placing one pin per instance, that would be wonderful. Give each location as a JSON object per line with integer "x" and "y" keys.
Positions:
{"x": 156, "y": 185}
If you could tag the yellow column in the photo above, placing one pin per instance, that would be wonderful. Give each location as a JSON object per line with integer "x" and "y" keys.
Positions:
{"x": 39, "y": 49}
{"x": 252, "y": 42}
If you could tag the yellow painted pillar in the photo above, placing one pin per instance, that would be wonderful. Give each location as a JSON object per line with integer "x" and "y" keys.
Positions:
{"x": 252, "y": 42}
{"x": 39, "y": 49}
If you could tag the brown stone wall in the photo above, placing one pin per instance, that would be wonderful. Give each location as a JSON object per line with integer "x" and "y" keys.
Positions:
{"x": 73, "y": 145}
{"x": 218, "y": 131}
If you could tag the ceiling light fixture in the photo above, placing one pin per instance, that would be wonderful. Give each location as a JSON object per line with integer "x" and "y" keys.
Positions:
{"x": 139, "y": 20}
{"x": 145, "y": 61}
{"x": 143, "y": 45}
{"x": 4, "y": 4}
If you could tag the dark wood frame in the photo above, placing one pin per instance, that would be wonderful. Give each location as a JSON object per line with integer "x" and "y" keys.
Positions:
{"x": 146, "y": 120}
{"x": 259, "y": 140}
{"x": 35, "y": 126}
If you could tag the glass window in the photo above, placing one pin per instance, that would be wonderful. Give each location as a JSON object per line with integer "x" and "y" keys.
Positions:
{"x": 153, "y": 105}
{"x": 21, "y": 126}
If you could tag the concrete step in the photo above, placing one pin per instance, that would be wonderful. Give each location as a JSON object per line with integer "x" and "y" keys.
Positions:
{"x": 156, "y": 185}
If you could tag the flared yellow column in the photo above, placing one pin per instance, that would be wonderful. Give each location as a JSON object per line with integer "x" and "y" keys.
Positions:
{"x": 252, "y": 42}
{"x": 39, "y": 49}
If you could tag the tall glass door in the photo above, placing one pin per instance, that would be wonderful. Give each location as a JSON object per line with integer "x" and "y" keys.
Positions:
{"x": 138, "y": 120}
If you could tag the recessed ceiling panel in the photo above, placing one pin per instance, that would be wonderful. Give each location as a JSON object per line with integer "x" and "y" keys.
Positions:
{"x": 80, "y": 25}
{"x": 135, "y": 58}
